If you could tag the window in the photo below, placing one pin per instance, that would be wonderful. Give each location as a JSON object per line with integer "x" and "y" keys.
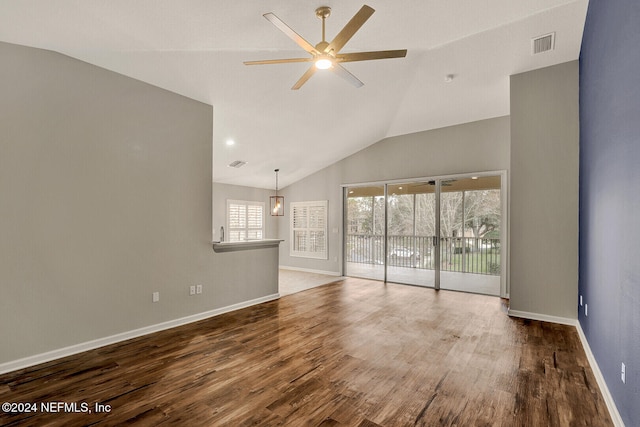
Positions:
{"x": 309, "y": 229}
{"x": 245, "y": 220}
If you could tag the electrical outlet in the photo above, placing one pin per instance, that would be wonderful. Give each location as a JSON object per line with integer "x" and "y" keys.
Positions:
{"x": 623, "y": 374}
{"x": 198, "y": 289}
{"x": 586, "y": 309}
{"x": 155, "y": 297}
{"x": 192, "y": 290}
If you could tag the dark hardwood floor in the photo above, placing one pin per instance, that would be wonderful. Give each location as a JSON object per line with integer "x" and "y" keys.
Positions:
{"x": 352, "y": 353}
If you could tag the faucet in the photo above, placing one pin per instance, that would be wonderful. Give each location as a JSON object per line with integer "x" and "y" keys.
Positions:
{"x": 222, "y": 234}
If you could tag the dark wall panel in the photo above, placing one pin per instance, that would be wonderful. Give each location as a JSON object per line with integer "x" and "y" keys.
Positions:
{"x": 610, "y": 196}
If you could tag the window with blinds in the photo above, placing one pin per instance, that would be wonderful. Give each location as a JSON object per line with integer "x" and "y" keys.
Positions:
{"x": 245, "y": 220}
{"x": 308, "y": 229}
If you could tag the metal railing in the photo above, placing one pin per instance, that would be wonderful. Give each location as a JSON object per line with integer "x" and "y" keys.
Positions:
{"x": 460, "y": 254}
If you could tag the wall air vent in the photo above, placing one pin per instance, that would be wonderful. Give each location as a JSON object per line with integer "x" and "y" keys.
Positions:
{"x": 237, "y": 164}
{"x": 543, "y": 43}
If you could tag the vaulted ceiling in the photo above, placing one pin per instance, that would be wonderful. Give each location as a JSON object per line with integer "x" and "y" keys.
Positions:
{"x": 196, "y": 48}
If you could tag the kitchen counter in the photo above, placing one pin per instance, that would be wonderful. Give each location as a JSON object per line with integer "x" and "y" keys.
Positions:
{"x": 245, "y": 245}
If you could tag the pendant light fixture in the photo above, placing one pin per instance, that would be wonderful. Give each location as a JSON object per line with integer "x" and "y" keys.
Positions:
{"x": 277, "y": 202}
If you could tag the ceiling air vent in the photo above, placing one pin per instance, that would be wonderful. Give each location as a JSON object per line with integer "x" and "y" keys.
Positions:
{"x": 237, "y": 164}
{"x": 543, "y": 43}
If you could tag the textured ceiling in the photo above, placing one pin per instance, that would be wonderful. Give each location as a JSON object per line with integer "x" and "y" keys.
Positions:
{"x": 196, "y": 48}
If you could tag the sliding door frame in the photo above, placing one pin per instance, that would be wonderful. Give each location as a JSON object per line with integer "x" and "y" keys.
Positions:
{"x": 436, "y": 238}
{"x": 504, "y": 226}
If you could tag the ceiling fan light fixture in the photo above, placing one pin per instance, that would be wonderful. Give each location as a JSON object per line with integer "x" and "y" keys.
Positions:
{"x": 324, "y": 63}
{"x": 326, "y": 55}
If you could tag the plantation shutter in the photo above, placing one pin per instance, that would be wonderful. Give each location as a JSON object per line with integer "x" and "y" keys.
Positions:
{"x": 255, "y": 226}
{"x": 309, "y": 229}
{"x": 245, "y": 220}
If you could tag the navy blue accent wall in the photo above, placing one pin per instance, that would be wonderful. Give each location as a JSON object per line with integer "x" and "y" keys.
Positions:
{"x": 610, "y": 196}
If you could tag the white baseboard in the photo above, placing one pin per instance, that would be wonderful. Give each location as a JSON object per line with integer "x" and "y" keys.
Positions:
{"x": 608, "y": 399}
{"x": 542, "y": 317}
{"x": 101, "y": 342}
{"x": 308, "y": 270}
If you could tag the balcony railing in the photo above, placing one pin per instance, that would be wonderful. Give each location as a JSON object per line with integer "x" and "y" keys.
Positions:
{"x": 460, "y": 254}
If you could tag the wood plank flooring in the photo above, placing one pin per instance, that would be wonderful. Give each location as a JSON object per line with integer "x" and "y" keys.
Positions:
{"x": 351, "y": 353}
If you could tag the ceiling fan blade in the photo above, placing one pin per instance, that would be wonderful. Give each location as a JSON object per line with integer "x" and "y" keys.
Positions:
{"x": 345, "y": 74}
{"x": 277, "y": 61}
{"x": 290, "y": 33}
{"x": 306, "y": 76}
{"x": 367, "y": 56}
{"x": 350, "y": 29}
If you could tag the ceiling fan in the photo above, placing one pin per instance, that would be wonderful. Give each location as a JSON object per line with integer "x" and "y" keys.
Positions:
{"x": 326, "y": 55}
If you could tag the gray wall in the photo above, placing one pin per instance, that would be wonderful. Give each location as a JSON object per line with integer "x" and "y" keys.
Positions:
{"x": 544, "y": 191}
{"x": 105, "y": 197}
{"x": 610, "y": 196}
{"x": 471, "y": 147}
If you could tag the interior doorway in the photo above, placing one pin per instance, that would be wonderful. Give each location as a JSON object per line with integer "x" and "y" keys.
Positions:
{"x": 443, "y": 233}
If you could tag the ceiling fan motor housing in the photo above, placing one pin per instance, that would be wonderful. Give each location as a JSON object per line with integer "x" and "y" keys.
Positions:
{"x": 323, "y": 12}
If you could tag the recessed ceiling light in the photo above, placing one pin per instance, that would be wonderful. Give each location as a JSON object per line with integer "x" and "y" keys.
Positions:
{"x": 449, "y": 78}
{"x": 230, "y": 142}
{"x": 474, "y": 177}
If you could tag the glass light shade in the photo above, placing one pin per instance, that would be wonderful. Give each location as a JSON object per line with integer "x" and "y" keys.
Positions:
{"x": 277, "y": 205}
{"x": 323, "y": 64}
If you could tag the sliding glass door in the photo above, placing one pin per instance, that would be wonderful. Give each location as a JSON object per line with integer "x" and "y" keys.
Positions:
{"x": 411, "y": 231}
{"x": 441, "y": 233}
{"x": 470, "y": 224}
{"x": 364, "y": 248}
